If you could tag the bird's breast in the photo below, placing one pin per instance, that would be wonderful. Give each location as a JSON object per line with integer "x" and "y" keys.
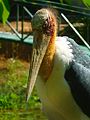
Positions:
{"x": 56, "y": 98}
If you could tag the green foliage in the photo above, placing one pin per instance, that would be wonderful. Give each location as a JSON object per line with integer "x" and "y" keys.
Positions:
{"x": 22, "y": 115}
{"x": 61, "y": 1}
{"x": 87, "y": 3}
{"x": 4, "y": 10}
{"x": 13, "y": 83}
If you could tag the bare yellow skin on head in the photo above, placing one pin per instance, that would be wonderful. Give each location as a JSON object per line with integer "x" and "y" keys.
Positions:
{"x": 47, "y": 63}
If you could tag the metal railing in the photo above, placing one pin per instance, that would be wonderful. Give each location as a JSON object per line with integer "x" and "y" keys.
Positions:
{"x": 62, "y": 7}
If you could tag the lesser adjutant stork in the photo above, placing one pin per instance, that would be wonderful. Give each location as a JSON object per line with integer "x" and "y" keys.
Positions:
{"x": 61, "y": 70}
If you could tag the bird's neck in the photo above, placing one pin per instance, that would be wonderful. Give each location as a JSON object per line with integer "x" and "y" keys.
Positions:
{"x": 48, "y": 60}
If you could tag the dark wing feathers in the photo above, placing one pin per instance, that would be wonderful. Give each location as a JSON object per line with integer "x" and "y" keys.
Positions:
{"x": 81, "y": 54}
{"x": 78, "y": 78}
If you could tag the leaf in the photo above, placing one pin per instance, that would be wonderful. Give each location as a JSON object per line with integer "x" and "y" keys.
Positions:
{"x": 4, "y": 10}
{"x": 87, "y": 3}
{"x": 61, "y": 1}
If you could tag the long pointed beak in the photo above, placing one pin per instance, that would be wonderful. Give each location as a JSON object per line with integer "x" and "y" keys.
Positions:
{"x": 40, "y": 43}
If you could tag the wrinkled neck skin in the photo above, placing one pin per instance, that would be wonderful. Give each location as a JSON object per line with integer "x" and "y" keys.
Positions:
{"x": 48, "y": 60}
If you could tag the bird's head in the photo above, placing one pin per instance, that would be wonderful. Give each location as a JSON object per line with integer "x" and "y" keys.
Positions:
{"x": 43, "y": 22}
{"x": 44, "y": 29}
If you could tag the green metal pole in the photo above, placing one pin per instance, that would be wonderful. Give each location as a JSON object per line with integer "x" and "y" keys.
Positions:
{"x": 22, "y": 21}
{"x": 17, "y": 19}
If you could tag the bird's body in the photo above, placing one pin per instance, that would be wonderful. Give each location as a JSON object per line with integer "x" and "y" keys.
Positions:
{"x": 55, "y": 94}
{"x": 62, "y": 73}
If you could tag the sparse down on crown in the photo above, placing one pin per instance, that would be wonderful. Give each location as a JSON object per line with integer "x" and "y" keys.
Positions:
{"x": 44, "y": 20}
